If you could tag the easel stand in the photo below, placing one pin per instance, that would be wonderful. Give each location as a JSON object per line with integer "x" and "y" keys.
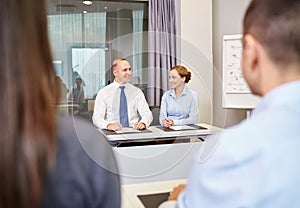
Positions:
{"x": 248, "y": 113}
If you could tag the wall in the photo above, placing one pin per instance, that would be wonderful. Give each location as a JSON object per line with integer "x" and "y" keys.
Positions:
{"x": 227, "y": 20}
{"x": 196, "y": 51}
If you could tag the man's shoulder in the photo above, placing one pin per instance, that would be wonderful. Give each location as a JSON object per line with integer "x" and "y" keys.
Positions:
{"x": 248, "y": 132}
{"x": 131, "y": 86}
{"x": 106, "y": 88}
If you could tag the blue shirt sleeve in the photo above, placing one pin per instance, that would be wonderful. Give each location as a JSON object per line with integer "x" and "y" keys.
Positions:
{"x": 163, "y": 109}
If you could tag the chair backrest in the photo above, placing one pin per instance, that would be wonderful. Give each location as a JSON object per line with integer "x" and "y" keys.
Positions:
{"x": 155, "y": 112}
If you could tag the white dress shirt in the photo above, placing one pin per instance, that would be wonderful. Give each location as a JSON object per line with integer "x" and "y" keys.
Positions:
{"x": 106, "y": 109}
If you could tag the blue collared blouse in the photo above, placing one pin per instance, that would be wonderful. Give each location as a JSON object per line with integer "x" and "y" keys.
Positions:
{"x": 182, "y": 110}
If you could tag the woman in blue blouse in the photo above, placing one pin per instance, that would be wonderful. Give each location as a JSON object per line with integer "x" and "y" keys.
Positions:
{"x": 178, "y": 105}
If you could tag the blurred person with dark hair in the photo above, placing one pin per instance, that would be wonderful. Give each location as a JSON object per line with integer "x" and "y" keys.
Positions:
{"x": 255, "y": 163}
{"x": 178, "y": 105}
{"x": 46, "y": 160}
{"x": 77, "y": 94}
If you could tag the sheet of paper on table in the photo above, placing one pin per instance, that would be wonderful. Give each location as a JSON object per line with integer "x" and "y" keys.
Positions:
{"x": 185, "y": 127}
{"x": 127, "y": 130}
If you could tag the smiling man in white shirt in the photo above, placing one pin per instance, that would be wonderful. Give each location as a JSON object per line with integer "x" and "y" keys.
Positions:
{"x": 107, "y": 104}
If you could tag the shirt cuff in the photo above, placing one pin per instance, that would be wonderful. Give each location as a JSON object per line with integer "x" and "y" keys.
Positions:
{"x": 102, "y": 125}
{"x": 177, "y": 122}
{"x": 146, "y": 123}
{"x": 168, "y": 204}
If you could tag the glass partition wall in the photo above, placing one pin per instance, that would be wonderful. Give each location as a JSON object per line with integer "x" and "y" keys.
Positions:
{"x": 85, "y": 39}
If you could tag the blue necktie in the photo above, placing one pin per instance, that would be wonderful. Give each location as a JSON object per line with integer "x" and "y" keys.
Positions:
{"x": 123, "y": 108}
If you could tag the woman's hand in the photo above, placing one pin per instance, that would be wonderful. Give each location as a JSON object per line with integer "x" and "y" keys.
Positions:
{"x": 167, "y": 122}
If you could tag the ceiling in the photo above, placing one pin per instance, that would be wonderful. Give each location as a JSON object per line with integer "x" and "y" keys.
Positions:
{"x": 76, "y": 6}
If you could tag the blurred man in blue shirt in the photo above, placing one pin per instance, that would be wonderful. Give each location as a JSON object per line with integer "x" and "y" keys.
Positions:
{"x": 255, "y": 164}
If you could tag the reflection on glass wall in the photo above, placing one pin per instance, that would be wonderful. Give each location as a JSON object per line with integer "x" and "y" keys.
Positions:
{"x": 87, "y": 64}
{"x": 86, "y": 39}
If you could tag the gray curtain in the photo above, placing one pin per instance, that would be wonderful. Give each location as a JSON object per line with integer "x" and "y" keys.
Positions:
{"x": 161, "y": 47}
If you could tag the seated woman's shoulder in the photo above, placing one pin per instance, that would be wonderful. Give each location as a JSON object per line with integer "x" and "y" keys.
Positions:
{"x": 76, "y": 130}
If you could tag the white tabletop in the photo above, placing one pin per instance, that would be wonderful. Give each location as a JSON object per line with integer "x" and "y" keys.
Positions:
{"x": 156, "y": 162}
{"x": 156, "y": 133}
